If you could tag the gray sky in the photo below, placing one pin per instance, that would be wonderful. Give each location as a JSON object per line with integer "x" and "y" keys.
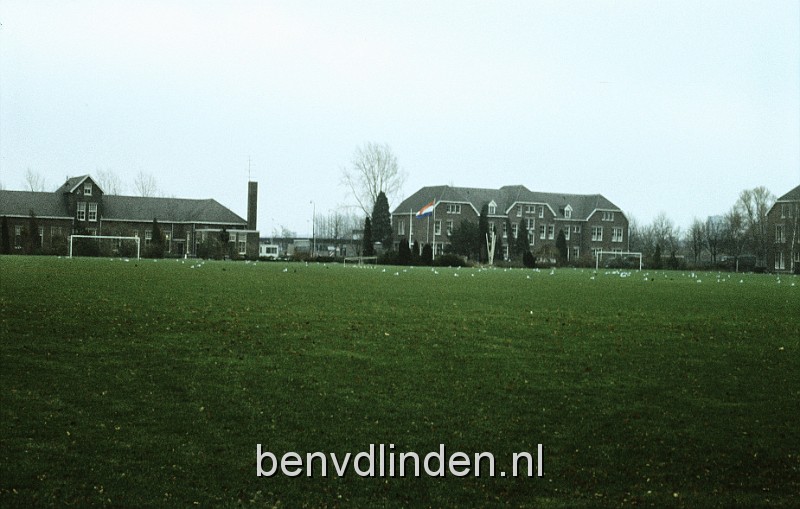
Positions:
{"x": 671, "y": 106}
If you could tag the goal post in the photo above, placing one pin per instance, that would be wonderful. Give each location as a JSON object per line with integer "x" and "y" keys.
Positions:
{"x": 107, "y": 237}
{"x": 360, "y": 260}
{"x": 617, "y": 254}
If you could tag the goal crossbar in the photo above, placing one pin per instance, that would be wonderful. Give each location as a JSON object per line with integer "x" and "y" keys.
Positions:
{"x": 137, "y": 239}
{"x": 359, "y": 260}
{"x": 599, "y": 254}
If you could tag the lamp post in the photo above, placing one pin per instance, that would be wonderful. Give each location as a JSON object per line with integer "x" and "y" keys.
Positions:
{"x": 313, "y": 228}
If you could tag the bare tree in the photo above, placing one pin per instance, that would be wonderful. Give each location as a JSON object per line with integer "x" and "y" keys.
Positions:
{"x": 735, "y": 233}
{"x": 34, "y": 181}
{"x": 373, "y": 169}
{"x": 145, "y": 184}
{"x": 714, "y": 235}
{"x": 753, "y": 205}
{"x": 109, "y": 182}
{"x": 695, "y": 237}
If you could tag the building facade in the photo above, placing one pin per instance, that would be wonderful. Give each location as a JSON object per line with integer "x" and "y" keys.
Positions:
{"x": 80, "y": 206}
{"x": 590, "y": 223}
{"x": 783, "y": 223}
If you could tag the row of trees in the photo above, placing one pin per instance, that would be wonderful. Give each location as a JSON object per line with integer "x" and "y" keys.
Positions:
{"x": 742, "y": 230}
{"x": 144, "y": 184}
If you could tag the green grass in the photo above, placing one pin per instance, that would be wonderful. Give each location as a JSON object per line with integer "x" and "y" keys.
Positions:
{"x": 141, "y": 384}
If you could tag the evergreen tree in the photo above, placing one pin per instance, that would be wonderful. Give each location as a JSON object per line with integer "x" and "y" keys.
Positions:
{"x": 561, "y": 247}
{"x": 522, "y": 245}
{"x": 382, "y": 221}
{"x": 498, "y": 248}
{"x": 403, "y": 253}
{"x": 415, "y": 252}
{"x": 528, "y": 259}
{"x": 427, "y": 254}
{"x": 463, "y": 239}
{"x": 157, "y": 242}
{"x": 368, "y": 249}
{"x": 483, "y": 231}
{"x": 512, "y": 250}
{"x": 5, "y": 242}
{"x": 32, "y": 241}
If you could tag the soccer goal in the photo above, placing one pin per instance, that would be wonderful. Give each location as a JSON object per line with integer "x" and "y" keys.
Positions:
{"x": 620, "y": 259}
{"x": 361, "y": 260}
{"x": 104, "y": 245}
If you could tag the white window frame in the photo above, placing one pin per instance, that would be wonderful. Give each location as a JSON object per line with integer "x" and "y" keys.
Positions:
{"x": 454, "y": 208}
{"x": 617, "y": 234}
{"x": 449, "y": 227}
{"x": 608, "y": 215}
{"x": 566, "y": 233}
{"x": 542, "y": 231}
{"x": 437, "y": 227}
{"x": 597, "y": 234}
{"x": 492, "y": 208}
{"x": 567, "y": 212}
{"x": 87, "y": 189}
{"x": 81, "y": 213}
{"x": 92, "y": 214}
{"x": 515, "y": 230}
{"x": 551, "y": 231}
{"x": 541, "y": 211}
{"x": 780, "y": 238}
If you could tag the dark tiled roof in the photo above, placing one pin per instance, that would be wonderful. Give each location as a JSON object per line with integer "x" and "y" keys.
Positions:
{"x": 792, "y": 195}
{"x": 21, "y": 203}
{"x": 130, "y": 208}
{"x": 137, "y": 208}
{"x": 71, "y": 184}
{"x": 505, "y": 197}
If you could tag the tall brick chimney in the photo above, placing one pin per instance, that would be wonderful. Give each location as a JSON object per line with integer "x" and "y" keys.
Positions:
{"x": 252, "y": 204}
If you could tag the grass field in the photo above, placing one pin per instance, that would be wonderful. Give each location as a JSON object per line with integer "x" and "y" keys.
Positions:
{"x": 142, "y": 383}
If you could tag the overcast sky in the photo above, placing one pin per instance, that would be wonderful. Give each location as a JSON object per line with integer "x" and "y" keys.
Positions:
{"x": 671, "y": 106}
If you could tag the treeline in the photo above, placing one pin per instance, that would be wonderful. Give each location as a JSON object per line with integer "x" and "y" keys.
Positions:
{"x": 737, "y": 239}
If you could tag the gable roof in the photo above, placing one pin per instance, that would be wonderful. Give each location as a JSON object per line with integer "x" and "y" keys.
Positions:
{"x": 72, "y": 183}
{"x": 793, "y": 195}
{"x": 506, "y": 197}
{"x": 21, "y": 203}
{"x": 137, "y": 208}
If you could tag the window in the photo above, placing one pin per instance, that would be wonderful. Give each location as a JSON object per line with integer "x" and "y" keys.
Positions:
{"x": 242, "y": 243}
{"x": 437, "y": 227}
{"x": 515, "y": 230}
{"x": 93, "y": 212}
{"x": 786, "y": 210}
{"x": 779, "y": 237}
{"x": 576, "y": 252}
{"x": 17, "y": 236}
{"x": 55, "y": 231}
{"x": 519, "y": 210}
{"x": 616, "y": 234}
{"x": 449, "y": 227}
{"x": 148, "y": 236}
{"x": 492, "y": 208}
{"x": 567, "y": 212}
{"x": 541, "y": 211}
{"x": 492, "y": 228}
{"x": 81, "y": 211}
{"x": 87, "y": 189}
{"x": 41, "y": 236}
{"x": 608, "y": 216}
{"x": 576, "y": 229}
{"x": 597, "y": 233}
{"x": 595, "y": 250}
{"x": 454, "y": 208}
{"x": 542, "y": 232}
{"x": 551, "y": 230}
{"x": 530, "y": 209}
{"x": 566, "y": 233}
{"x": 401, "y": 228}
{"x": 530, "y": 224}
{"x": 505, "y": 229}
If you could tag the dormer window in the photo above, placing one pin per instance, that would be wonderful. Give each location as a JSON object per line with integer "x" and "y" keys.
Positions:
{"x": 87, "y": 189}
{"x": 492, "y": 208}
{"x": 567, "y": 212}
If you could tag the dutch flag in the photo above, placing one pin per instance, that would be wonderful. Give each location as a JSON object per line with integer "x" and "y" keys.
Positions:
{"x": 425, "y": 211}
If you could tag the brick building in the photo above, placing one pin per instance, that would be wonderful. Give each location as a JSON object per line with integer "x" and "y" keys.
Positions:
{"x": 81, "y": 206}
{"x": 783, "y": 221}
{"x": 590, "y": 222}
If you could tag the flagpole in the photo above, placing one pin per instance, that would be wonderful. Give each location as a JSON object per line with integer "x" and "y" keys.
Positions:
{"x": 433, "y": 254}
